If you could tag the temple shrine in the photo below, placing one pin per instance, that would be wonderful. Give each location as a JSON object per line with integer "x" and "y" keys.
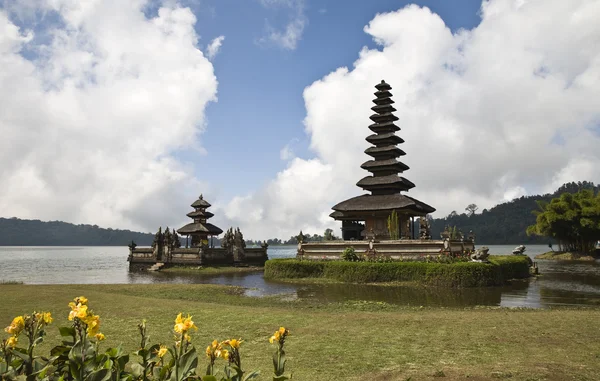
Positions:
{"x": 166, "y": 249}
{"x": 382, "y": 222}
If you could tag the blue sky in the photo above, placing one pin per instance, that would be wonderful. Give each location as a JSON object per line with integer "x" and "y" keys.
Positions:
{"x": 260, "y": 106}
{"x": 99, "y": 98}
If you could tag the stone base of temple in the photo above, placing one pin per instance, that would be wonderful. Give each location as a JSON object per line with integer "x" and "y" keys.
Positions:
{"x": 395, "y": 249}
{"x": 142, "y": 258}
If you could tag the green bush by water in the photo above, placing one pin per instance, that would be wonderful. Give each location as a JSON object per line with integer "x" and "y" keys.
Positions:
{"x": 459, "y": 274}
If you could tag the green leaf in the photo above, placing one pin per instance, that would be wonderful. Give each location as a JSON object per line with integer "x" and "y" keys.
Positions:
{"x": 67, "y": 331}
{"x": 99, "y": 375}
{"x": 188, "y": 363}
{"x": 252, "y": 375}
{"x": 137, "y": 370}
{"x": 209, "y": 378}
{"x": 282, "y": 377}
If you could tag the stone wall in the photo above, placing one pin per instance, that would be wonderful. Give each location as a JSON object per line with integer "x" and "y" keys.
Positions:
{"x": 397, "y": 249}
{"x": 144, "y": 257}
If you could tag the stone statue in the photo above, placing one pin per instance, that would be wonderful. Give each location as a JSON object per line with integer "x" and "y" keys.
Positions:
{"x": 471, "y": 236}
{"x": 227, "y": 241}
{"x": 424, "y": 228}
{"x": 446, "y": 233}
{"x": 238, "y": 246}
{"x": 175, "y": 242}
{"x": 407, "y": 234}
{"x": 132, "y": 246}
{"x": 519, "y": 250}
{"x": 481, "y": 254}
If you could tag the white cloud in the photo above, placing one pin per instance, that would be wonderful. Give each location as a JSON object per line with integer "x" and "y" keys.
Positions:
{"x": 287, "y": 152}
{"x": 89, "y": 126}
{"x": 287, "y": 37}
{"x": 214, "y": 47}
{"x": 480, "y": 111}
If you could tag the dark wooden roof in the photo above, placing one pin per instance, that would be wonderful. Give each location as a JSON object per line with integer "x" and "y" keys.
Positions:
{"x": 389, "y": 138}
{"x": 200, "y": 213}
{"x": 384, "y": 165}
{"x": 196, "y": 227}
{"x": 383, "y": 108}
{"x": 391, "y": 181}
{"x": 383, "y": 117}
{"x": 372, "y": 203}
{"x": 383, "y": 85}
{"x": 200, "y": 203}
{"x": 390, "y": 151}
{"x": 382, "y": 128}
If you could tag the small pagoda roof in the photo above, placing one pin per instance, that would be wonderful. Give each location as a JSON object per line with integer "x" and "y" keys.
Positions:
{"x": 384, "y": 165}
{"x": 373, "y": 203}
{"x": 384, "y": 117}
{"x": 200, "y": 213}
{"x": 391, "y": 181}
{"x": 200, "y": 203}
{"x": 196, "y": 227}
{"x": 383, "y": 108}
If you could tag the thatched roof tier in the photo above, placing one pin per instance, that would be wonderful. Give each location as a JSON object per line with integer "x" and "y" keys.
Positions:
{"x": 383, "y": 86}
{"x": 383, "y": 117}
{"x": 384, "y": 139}
{"x": 196, "y": 227}
{"x": 382, "y": 128}
{"x": 200, "y": 214}
{"x": 389, "y": 165}
{"x": 383, "y": 101}
{"x": 393, "y": 183}
{"x": 200, "y": 203}
{"x": 380, "y": 109}
{"x": 374, "y": 203}
{"x": 383, "y": 94}
{"x": 385, "y": 152}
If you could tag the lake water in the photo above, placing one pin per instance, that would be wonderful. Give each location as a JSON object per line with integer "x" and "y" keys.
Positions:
{"x": 561, "y": 283}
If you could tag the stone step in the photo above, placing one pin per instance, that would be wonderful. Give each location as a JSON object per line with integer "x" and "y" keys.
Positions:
{"x": 157, "y": 266}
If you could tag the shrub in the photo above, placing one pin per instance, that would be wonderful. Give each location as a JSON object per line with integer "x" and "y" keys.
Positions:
{"x": 349, "y": 254}
{"x": 457, "y": 274}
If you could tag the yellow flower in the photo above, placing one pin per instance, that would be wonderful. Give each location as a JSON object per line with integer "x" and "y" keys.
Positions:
{"x": 225, "y": 354}
{"x": 161, "y": 351}
{"x": 16, "y": 326}
{"x": 215, "y": 344}
{"x": 93, "y": 324}
{"x": 233, "y": 343}
{"x": 183, "y": 324}
{"x": 47, "y": 317}
{"x": 12, "y": 341}
{"x": 82, "y": 312}
{"x": 282, "y": 330}
{"x": 81, "y": 300}
{"x": 187, "y": 338}
{"x": 208, "y": 351}
{"x": 100, "y": 336}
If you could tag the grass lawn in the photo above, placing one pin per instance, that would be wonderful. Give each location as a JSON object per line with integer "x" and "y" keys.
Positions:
{"x": 341, "y": 341}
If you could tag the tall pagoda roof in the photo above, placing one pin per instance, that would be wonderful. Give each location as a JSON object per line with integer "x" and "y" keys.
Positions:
{"x": 200, "y": 213}
{"x": 385, "y": 184}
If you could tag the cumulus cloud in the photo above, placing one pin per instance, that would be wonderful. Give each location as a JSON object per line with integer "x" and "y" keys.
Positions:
{"x": 287, "y": 152}
{"x": 90, "y": 123}
{"x": 287, "y": 37}
{"x": 507, "y": 108}
{"x": 214, "y": 47}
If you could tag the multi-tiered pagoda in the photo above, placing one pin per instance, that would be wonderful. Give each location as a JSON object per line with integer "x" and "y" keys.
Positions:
{"x": 367, "y": 215}
{"x": 200, "y": 230}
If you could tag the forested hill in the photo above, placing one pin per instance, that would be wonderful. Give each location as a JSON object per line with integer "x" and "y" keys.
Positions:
{"x": 17, "y": 232}
{"x": 505, "y": 223}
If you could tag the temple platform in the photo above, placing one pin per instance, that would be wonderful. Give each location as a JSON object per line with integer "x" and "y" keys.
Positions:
{"x": 142, "y": 258}
{"x": 395, "y": 249}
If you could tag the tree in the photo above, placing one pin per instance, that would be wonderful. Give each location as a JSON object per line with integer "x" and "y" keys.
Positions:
{"x": 328, "y": 235}
{"x": 572, "y": 219}
{"x": 471, "y": 209}
{"x": 393, "y": 225}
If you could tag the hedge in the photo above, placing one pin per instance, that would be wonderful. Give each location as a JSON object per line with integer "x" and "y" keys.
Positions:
{"x": 459, "y": 274}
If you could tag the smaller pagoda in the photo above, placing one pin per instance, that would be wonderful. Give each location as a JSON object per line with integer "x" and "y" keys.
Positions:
{"x": 199, "y": 229}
